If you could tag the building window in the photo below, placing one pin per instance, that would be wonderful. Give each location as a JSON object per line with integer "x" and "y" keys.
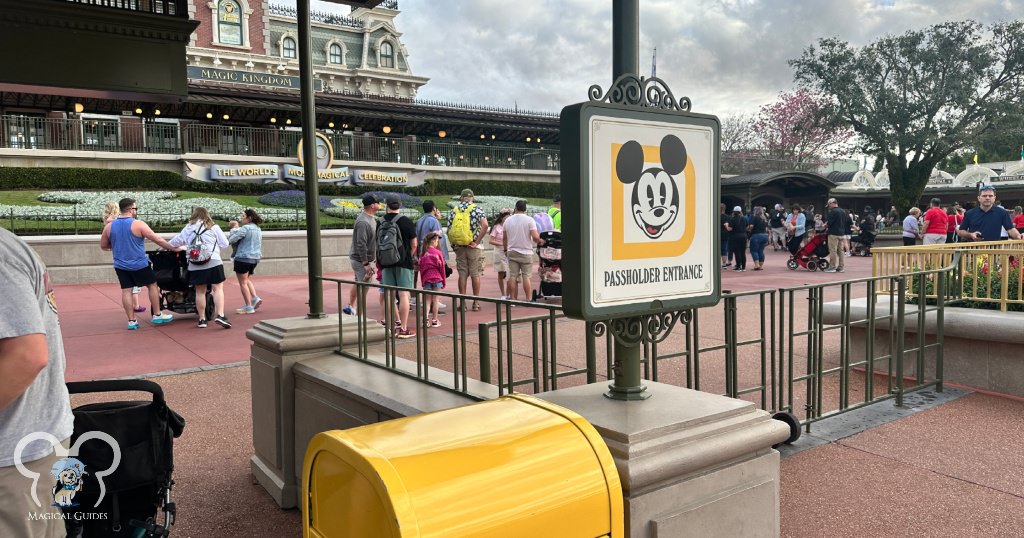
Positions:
{"x": 335, "y": 54}
{"x": 229, "y": 22}
{"x": 387, "y": 55}
{"x": 288, "y": 48}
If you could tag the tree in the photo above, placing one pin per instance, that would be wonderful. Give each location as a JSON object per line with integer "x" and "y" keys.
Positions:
{"x": 1002, "y": 142}
{"x": 918, "y": 97}
{"x": 795, "y": 129}
{"x": 737, "y": 133}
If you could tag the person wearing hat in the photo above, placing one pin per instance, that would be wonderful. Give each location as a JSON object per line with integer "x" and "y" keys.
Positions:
{"x": 777, "y": 223}
{"x": 934, "y": 224}
{"x": 736, "y": 227}
{"x": 555, "y": 212}
{"x": 469, "y": 257}
{"x": 836, "y": 227}
{"x": 363, "y": 250}
{"x": 987, "y": 221}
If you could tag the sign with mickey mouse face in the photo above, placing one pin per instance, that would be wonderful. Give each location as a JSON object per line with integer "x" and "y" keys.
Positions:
{"x": 640, "y": 196}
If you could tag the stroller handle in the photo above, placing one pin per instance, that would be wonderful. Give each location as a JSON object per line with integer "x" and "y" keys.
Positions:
{"x": 117, "y": 385}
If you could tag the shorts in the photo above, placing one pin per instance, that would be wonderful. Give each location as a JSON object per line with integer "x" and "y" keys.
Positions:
{"x": 469, "y": 261}
{"x": 360, "y": 270}
{"x": 500, "y": 261}
{"x": 245, "y": 267}
{"x": 16, "y": 491}
{"x": 398, "y": 276}
{"x": 135, "y": 279}
{"x": 206, "y": 277}
{"x": 434, "y": 286}
{"x": 520, "y": 264}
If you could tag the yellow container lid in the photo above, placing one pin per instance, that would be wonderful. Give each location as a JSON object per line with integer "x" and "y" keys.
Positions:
{"x": 516, "y": 466}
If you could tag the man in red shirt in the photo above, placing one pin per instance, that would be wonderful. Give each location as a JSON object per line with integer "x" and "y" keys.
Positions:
{"x": 934, "y": 224}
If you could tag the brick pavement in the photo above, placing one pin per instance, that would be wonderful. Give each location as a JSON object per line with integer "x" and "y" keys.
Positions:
{"x": 949, "y": 468}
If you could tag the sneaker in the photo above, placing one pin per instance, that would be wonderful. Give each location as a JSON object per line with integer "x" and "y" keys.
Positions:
{"x": 384, "y": 323}
{"x": 504, "y": 297}
{"x": 222, "y": 321}
{"x": 256, "y": 302}
{"x": 406, "y": 333}
{"x": 140, "y": 308}
{"x": 136, "y": 290}
{"x": 245, "y": 310}
{"x": 840, "y": 270}
{"x": 348, "y": 310}
{"x": 831, "y": 270}
{"x": 133, "y": 325}
{"x": 202, "y": 324}
{"x": 441, "y": 305}
{"x": 162, "y": 318}
{"x": 435, "y": 323}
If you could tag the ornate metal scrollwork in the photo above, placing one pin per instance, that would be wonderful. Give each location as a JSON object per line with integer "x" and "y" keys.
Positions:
{"x": 640, "y": 92}
{"x": 652, "y": 329}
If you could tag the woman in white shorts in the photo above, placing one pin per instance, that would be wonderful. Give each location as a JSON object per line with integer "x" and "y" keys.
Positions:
{"x": 498, "y": 244}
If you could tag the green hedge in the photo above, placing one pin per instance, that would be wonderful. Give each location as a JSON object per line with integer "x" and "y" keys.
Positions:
{"x": 12, "y": 178}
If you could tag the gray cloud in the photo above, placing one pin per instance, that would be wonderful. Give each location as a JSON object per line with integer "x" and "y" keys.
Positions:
{"x": 726, "y": 55}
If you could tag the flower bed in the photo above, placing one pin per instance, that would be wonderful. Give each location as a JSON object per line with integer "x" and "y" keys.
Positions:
{"x": 292, "y": 198}
{"x": 493, "y": 204}
{"x": 155, "y": 207}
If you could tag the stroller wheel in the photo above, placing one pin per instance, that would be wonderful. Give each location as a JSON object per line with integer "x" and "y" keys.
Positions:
{"x": 792, "y": 264}
{"x": 823, "y": 264}
{"x": 812, "y": 265}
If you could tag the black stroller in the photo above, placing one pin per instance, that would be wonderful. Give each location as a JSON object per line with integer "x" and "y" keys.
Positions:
{"x": 176, "y": 295}
{"x": 140, "y": 485}
{"x": 550, "y": 265}
{"x": 860, "y": 244}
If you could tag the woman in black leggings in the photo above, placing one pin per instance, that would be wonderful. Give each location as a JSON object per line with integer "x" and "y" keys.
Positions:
{"x": 737, "y": 228}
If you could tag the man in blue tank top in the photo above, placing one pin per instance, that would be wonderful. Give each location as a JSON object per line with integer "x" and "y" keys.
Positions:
{"x": 126, "y": 236}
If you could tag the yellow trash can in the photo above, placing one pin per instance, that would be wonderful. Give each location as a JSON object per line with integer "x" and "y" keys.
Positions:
{"x": 517, "y": 466}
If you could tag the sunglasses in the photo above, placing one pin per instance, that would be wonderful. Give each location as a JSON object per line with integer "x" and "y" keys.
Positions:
{"x": 986, "y": 188}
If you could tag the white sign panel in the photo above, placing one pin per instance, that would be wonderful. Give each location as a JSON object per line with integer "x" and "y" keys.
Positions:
{"x": 652, "y": 196}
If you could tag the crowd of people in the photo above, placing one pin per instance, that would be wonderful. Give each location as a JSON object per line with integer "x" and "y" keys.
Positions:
{"x": 201, "y": 239}
{"x": 402, "y": 253}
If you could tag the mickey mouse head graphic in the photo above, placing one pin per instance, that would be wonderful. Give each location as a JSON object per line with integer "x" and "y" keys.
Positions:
{"x": 655, "y": 204}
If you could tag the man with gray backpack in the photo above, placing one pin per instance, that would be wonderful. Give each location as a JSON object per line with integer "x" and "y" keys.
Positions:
{"x": 396, "y": 241}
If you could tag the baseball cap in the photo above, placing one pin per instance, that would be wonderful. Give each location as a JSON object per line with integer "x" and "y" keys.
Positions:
{"x": 466, "y": 192}
{"x": 778, "y": 206}
{"x": 393, "y": 200}
{"x": 557, "y": 198}
{"x": 986, "y": 187}
{"x": 737, "y": 209}
{"x": 369, "y": 200}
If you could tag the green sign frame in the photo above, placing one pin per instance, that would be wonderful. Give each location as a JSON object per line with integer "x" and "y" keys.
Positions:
{"x": 654, "y": 259}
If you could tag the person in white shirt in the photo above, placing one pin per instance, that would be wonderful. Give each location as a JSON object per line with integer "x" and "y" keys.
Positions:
{"x": 520, "y": 236}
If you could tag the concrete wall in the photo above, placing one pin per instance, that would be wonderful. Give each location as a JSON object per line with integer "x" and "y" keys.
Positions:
{"x": 77, "y": 259}
{"x": 981, "y": 348}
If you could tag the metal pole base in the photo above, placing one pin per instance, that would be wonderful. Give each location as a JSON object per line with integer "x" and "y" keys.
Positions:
{"x": 627, "y": 393}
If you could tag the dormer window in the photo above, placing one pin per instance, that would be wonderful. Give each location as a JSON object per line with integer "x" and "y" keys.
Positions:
{"x": 387, "y": 55}
{"x": 288, "y": 48}
{"x": 334, "y": 54}
{"x": 229, "y": 22}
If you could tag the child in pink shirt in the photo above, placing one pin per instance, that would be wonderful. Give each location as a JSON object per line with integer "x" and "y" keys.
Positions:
{"x": 432, "y": 273}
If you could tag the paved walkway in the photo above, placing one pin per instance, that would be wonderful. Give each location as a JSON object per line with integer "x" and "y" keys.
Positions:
{"x": 948, "y": 464}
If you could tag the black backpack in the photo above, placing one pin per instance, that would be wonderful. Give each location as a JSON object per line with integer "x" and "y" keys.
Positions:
{"x": 389, "y": 242}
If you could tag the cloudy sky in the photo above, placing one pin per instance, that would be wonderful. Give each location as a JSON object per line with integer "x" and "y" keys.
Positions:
{"x": 728, "y": 56}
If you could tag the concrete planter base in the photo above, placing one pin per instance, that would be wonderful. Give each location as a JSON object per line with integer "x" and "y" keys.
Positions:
{"x": 981, "y": 348}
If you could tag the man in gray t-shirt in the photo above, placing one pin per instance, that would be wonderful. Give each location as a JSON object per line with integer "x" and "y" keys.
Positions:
{"x": 363, "y": 250}
{"x": 33, "y": 397}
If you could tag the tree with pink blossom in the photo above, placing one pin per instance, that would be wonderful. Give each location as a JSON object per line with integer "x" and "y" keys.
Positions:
{"x": 797, "y": 130}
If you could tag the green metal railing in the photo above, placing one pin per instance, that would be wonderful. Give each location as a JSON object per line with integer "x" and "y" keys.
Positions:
{"x": 789, "y": 360}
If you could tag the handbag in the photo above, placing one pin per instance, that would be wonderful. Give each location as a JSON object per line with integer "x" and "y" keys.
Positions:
{"x": 447, "y": 270}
